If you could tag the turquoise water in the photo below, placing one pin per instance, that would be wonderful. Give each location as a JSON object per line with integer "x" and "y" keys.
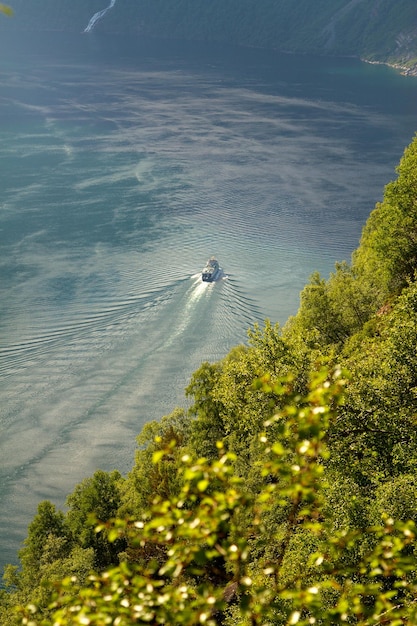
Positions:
{"x": 124, "y": 166}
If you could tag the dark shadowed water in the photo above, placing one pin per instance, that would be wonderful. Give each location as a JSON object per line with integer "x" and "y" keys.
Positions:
{"x": 123, "y": 167}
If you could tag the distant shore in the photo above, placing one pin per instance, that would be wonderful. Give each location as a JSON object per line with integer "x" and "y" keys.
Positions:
{"x": 403, "y": 69}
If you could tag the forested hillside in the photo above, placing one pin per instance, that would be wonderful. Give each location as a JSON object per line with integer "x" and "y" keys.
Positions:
{"x": 285, "y": 495}
{"x": 377, "y": 30}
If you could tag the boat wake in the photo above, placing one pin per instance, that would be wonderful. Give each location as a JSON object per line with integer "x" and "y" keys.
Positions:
{"x": 193, "y": 296}
{"x": 97, "y": 16}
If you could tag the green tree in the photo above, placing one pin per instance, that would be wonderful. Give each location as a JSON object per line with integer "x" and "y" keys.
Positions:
{"x": 148, "y": 480}
{"x": 387, "y": 255}
{"x": 318, "y": 320}
{"x": 226, "y": 406}
{"x": 47, "y": 525}
{"x": 98, "y": 497}
{"x": 47, "y": 545}
{"x": 333, "y": 310}
{"x": 373, "y": 437}
{"x": 207, "y": 410}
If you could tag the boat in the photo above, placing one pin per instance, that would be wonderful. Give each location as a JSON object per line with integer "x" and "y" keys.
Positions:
{"x": 211, "y": 270}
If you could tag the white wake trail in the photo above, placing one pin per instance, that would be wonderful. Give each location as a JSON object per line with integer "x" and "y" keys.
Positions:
{"x": 193, "y": 296}
{"x": 97, "y": 16}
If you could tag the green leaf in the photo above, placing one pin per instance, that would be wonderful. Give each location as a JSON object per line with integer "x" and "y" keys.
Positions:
{"x": 6, "y": 9}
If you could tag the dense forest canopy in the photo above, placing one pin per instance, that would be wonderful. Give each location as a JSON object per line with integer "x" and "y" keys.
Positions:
{"x": 286, "y": 494}
{"x": 376, "y": 30}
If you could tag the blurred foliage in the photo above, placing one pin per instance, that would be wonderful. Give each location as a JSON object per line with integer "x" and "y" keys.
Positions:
{"x": 4, "y": 8}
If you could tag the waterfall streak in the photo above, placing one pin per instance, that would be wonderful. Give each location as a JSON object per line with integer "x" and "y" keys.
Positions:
{"x": 97, "y": 16}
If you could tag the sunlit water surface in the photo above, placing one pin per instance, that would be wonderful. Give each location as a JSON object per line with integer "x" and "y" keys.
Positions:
{"x": 123, "y": 167}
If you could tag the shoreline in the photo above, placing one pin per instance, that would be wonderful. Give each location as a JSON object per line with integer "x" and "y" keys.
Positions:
{"x": 402, "y": 69}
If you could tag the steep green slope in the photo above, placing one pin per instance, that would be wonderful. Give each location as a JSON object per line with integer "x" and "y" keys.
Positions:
{"x": 379, "y": 30}
{"x": 318, "y": 467}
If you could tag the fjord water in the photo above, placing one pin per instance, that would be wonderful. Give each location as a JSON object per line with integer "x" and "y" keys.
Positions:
{"x": 124, "y": 165}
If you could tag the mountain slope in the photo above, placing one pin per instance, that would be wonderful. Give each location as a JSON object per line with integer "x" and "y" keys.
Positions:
{"x": 377, "y": 30}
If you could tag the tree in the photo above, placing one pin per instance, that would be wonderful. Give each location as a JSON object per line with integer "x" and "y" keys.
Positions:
{"x": 318, "y": 320}
{"x": 207, "y": 411}
{"x": 387, "y": 255}
{"x": 47, "y": 545}
{"x": 148, "y": 480}
{"x": 373, "y": 436}
{"x": 94, "y": 498}
{"x": 47, "y": 524}
{"x": 226, "y": 406}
